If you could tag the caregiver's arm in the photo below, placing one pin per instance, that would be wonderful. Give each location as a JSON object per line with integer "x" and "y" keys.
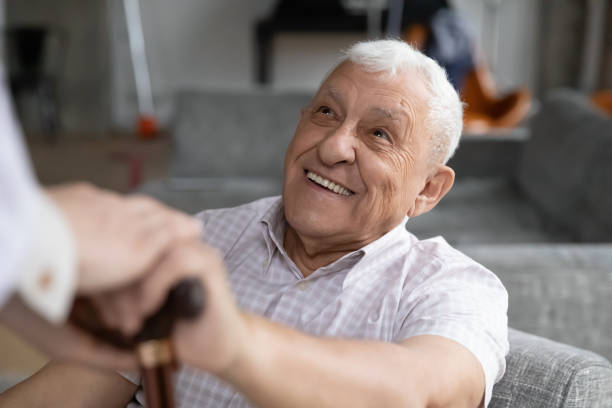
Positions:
{"x": 68, "y": 385}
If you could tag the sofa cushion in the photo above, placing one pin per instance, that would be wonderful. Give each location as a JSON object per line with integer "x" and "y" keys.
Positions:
{"x": 233, "y": 134}
{"x": 559, "y": 163}
{"x": 559, "y": 291}
{"x": 544, "y": 373}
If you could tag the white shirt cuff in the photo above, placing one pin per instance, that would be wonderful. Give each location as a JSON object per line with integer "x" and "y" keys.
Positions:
{"x": 49, "y": 277}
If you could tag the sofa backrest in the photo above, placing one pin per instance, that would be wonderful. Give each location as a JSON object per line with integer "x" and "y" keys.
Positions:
{"x": 566, "y": 166}
{"x": 233, "y": 134}
{"x": 544, "y": 373}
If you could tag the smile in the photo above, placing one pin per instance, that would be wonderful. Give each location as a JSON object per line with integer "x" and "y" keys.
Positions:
{"x": 330, "y": 185}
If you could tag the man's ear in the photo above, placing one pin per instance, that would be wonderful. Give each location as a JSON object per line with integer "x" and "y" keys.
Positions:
{"x": 437, "y": 185}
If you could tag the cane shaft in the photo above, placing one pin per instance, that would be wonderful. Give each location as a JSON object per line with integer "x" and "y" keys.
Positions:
{"x": 158, "y": 386}
{"x": 153, "y": 347}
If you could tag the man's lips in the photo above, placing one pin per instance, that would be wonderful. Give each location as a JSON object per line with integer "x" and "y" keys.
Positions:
{"x": 328, "y": 184}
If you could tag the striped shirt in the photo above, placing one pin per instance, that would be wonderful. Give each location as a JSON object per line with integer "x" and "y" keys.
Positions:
{"x": 391, "y": 289}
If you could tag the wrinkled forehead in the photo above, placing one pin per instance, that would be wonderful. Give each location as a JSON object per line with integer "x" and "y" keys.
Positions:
{"x": 407, "y": 84}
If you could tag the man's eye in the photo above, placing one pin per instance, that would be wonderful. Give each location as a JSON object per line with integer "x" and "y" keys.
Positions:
{"x": 325, "y": 110}
{"x": 381, "y": 133}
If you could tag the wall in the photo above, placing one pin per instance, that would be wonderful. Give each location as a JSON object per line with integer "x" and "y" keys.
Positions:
{"x": 605, "y": 79}
{"x": 79, "y": 59}
{"x": 209, "y": 44}
{"x": 190, "y": 43}
{"x": 507, "y": 35}
{"x": 195, "y": 44}
{"x": 562, "y": 43}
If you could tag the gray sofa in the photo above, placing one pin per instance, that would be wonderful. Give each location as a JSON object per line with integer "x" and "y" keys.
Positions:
{"x": 543, "y": 373}
{"x": 533, "y": 207}
{"x": 554, "y": 186}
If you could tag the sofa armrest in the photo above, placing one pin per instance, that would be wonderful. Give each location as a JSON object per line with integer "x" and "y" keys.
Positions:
{"x": 544, "y": 373}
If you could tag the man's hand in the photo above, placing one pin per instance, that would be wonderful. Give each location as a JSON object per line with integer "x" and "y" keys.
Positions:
{"x": 214, "y": 340}
{"x": 118, "y": 238}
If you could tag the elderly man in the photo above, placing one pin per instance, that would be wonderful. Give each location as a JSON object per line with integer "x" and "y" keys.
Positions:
{"x": 337, "y": 304}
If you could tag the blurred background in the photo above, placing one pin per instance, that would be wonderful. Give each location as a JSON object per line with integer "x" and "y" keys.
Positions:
{"x": 194, "y": 101}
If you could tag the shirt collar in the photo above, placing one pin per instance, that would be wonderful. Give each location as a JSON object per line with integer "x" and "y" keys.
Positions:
{"x": 383, "y": 242}
{"x": 274, "y": 222}
{"x": 371, "y": 251}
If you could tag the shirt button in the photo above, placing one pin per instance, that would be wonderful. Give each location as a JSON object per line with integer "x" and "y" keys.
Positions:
{"x": 303, "y": 285}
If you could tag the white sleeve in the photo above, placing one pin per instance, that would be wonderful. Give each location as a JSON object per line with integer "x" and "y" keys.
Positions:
{"x": 48, "y": 276}
{"x": 37, "y": 249}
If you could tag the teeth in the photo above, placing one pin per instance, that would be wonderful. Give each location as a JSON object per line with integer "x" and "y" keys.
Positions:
{"x": 328, "y": 184}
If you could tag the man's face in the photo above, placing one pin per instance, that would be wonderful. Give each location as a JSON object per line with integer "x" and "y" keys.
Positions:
{"x": 364, "y": 133}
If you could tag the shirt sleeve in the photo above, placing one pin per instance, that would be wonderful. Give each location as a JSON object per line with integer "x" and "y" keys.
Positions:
{"x": 36, "y": 244}
{"x": 464, "y": 302}
{"x": 17, "y": 197}
{"x": 48, "y": 276}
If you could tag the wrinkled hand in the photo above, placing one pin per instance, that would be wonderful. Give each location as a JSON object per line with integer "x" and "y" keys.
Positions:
{"x": 211, "y": 342}
{"x": 119, "y": 239}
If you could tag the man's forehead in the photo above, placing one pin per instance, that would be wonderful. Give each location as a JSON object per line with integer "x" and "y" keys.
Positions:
{"x": 332, "y": 92}
{"x": 394, "y": 111}
{"x": 407, "y": 85}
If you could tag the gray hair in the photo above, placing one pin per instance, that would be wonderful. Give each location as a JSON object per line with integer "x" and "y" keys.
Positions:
{"x": 445, "y": 117}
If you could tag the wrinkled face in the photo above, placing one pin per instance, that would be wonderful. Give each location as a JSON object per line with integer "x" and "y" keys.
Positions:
{"x": 359, "y": 157}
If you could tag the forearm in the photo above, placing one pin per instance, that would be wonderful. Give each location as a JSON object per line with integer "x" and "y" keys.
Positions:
{"x": 69, "y": 385}
{"x": 282, "y": 367}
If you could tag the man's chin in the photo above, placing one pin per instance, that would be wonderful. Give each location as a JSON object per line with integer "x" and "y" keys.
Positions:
{"x": 312, "y": 223}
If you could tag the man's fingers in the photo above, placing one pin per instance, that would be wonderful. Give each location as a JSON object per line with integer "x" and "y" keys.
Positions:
{"x": 120, "y": 310}
{"x": 187, "y": 260}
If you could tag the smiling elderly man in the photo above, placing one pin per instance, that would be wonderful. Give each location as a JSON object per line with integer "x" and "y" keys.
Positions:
{"x": 337, "y": 304}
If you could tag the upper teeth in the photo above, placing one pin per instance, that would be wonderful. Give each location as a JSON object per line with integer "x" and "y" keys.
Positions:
{"x": 328, "y": 184}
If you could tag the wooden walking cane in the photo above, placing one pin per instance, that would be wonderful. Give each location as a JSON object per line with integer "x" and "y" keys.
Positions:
{"x": 153, "y": 345}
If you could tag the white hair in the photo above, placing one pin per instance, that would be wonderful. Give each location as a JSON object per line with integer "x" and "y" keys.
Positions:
{"x": 445, "y": 116}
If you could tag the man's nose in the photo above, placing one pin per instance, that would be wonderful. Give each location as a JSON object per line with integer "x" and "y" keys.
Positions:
{"x": 338, "y": 146}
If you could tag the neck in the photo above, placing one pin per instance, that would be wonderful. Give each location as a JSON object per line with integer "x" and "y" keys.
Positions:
{"x": 309, "y": 255}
